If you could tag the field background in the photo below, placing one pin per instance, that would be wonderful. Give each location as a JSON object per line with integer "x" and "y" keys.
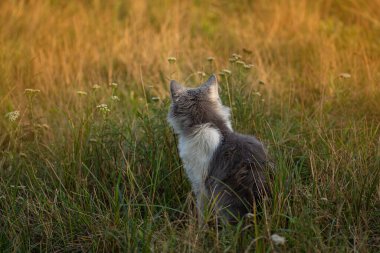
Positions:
{"x": 76, "y": 178}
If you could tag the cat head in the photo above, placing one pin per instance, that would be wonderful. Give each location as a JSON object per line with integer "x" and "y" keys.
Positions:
{"x": 193, "y": 107}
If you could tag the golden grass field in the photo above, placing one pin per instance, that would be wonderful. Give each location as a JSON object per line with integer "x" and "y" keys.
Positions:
{"x": 76, "y": 178}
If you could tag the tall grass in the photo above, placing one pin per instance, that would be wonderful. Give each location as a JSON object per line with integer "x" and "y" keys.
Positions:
{"x": 75, "y": 176}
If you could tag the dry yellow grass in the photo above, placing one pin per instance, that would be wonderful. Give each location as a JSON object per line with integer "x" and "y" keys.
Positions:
{"x": 56, "y": 45}
{"x": 319, "y": 60}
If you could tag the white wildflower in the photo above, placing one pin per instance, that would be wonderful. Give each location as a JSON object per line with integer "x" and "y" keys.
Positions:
{"x": 200, "y": 73}
{"x": 81, "y": 93}
{"x": 250, "y": 215}
{"x": 345, "y": 75}
{"x": 12, "y": 116}
{"x": 236, "y": 56}
{"x": 232, "y": 60}
{"x": 248, "y": 66}
{"x": 96, "y": 86}
{"x": 114, "y": 85}
{"x": 103, "y": 108}
{"x": 227, "y": 71}
{"x": 31, "y": 91}
{"x": 240, "y": 63}
{"x": 172, "y": 59}
{"x": 155, "y": 98}
{"x": 115, "y": 98}
{"x": 277, "y": 239}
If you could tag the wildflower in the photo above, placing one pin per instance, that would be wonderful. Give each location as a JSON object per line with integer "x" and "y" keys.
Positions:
{"x": 236, "y": 56}
{"x": 114, "y": 85}
{"x": 115, "y": 98}
{"x": 43, "y": 126}
{"x": 345, "y": 75}
{"x": 227, "y": 71}
{"x": 240, "y": 63}
{"x": 12, "y": 116}
{"x": 201, "y": 73}
{"x": 277, "y": 239}
{"x": 96, "y": 86}
{"x": 172, "y": 59}
{"x": 210, "y": 59}
{"x": 31, "y": 91}
{"x": 103, "y": 108}
{"x": 81, "y": 93}
{"x": 250, "y": 215}
{"x": 155, "y": 98}
{"x": 232, "y": 60}
{"x": 248, "y": 66}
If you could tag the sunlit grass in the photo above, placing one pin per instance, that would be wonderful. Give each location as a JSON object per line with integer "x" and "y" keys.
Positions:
{"x": 88, "y": 162}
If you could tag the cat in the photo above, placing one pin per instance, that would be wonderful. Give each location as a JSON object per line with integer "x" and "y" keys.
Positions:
{"x": 224, "y": 167}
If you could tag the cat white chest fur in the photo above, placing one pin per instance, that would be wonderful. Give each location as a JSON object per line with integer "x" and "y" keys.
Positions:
{"x": 196, "y": 152}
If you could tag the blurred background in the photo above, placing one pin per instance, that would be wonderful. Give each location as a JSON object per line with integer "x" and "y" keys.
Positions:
{"x": 301, "y": 46}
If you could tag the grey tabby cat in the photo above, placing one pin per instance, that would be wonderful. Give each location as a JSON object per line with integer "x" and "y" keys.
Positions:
{"x": 224, "y": 167}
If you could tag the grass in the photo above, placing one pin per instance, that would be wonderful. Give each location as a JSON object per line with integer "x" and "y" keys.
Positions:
{"x": 74, "y": 177}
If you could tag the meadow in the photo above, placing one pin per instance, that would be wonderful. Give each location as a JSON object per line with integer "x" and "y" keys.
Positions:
{"x": 88, "y": 162}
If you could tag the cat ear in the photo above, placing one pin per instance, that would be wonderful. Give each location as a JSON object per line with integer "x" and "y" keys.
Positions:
{"x": 211, "y": 85}
{"x": 175, "y": 89}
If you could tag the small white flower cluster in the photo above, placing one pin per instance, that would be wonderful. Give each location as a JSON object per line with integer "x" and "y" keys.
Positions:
{"x": 103, "y": 108}
{"x": 277, "y": 239}
{"x": 225, "y": 72}
{"x": 81, "y": 93}
{"x": 12, "y": 116}
{"x": 248, "y": 66}
{"x": 345, "y": 75}
{"x": 115, "y": 98}
{"x": 235, "y": 57}
{"x": 32, "y": 91}
{"x": 114, "y": 85}
{"x": 201, "y": 73}
{"x": 96, "y": 86}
